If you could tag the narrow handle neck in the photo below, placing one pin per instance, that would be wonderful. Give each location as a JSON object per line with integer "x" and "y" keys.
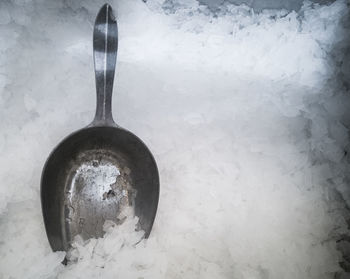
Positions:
{"x": 105, "y": 46}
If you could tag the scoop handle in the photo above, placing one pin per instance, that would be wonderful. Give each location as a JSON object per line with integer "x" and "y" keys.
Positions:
{"x": 105, "y": 47}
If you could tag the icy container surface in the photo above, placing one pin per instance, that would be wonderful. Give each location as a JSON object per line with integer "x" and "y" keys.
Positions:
{"x": 245, "y": 112}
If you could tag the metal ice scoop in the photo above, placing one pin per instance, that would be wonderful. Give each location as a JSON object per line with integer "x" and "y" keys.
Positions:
{"x": 94, "y": 173}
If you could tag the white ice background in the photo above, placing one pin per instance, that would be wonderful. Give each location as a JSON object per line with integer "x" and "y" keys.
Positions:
{"x": 244, "y": 112}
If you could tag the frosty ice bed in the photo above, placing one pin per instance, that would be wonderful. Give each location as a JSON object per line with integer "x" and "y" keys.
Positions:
{"x": 94, "y": 173}
{"x": 244, "y": 110}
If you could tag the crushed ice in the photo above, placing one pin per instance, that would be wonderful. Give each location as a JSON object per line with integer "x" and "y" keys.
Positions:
{"x": 247, "y": 116}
